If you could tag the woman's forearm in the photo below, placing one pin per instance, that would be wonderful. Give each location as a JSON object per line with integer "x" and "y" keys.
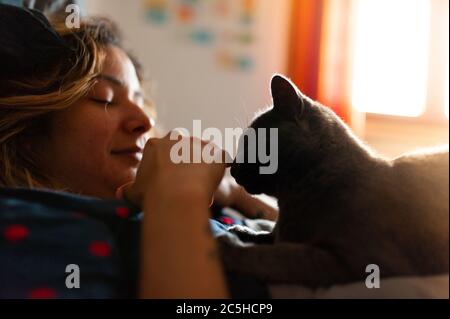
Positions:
{"x": 179, "y": 257}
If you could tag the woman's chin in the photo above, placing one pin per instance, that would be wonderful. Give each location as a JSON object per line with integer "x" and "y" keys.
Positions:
{"x": 122, "y": 174}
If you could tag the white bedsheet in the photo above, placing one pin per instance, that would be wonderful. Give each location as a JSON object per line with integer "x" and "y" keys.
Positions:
{"x": 429, "y": 287}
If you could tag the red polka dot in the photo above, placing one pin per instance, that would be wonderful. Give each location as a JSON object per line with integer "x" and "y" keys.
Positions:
{"x": 15, "y": 233}
{"x": 122, "y": 212}
{"x": 43, "y": 293}
{"x": 226, "y": 220}
{"x": 100, "y": 248}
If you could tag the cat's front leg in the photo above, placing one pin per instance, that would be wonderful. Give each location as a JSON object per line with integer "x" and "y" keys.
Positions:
{"x": 249, "y": 235}
{"x": 284, "y": 263}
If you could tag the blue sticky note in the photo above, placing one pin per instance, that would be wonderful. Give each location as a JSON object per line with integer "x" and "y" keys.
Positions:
{"x": 157, "y": 16}
{"x": 202, "y": 36}
{"x": 244, "y": 62}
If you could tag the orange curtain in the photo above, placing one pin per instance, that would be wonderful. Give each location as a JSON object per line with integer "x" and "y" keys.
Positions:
{"x": 320, "y": 55}
{"x": 304, "y": 52}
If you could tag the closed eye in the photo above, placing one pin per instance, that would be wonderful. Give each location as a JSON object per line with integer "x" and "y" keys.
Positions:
{"x": 102, "y": 102}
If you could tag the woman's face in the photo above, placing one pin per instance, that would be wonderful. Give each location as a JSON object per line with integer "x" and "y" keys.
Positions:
{"x": 95, "y": 145}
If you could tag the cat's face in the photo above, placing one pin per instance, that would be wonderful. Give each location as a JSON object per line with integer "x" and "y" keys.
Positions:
{"x": 306, "y": 131}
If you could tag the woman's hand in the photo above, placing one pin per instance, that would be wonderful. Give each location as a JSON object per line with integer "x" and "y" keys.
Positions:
{"x": 158, "y": 175}
{"x": 230, "y": 194}
{"x": 179, "y": 257}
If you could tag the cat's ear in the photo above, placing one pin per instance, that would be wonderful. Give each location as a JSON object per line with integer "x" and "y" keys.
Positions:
{"x": 286, "y": 97}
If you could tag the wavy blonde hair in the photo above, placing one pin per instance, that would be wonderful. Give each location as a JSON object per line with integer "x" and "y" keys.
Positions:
{"x": 30, "y": 102}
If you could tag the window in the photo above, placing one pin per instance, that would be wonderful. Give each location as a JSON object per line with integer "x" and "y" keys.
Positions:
{"x": 446, "y": 87}
{"x": 396, "y": 44}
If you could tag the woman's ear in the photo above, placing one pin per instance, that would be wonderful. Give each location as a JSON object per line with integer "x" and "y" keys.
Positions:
{"x": 287, "y": 99}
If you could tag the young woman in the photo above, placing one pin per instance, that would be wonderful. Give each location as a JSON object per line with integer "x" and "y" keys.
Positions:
{"x": 77, "y": 166}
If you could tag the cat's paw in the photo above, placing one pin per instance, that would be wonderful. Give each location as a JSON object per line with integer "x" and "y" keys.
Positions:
{"x": 248, "y": 235}
{"x": 239, "y": 230}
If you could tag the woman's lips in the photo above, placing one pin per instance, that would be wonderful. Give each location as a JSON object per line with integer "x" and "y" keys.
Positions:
{"x": 134, "y": 156}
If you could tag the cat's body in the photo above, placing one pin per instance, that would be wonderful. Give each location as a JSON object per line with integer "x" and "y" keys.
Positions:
{"x": 341, "y": 207}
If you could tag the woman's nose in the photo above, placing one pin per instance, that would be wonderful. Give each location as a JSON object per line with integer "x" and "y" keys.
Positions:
{"x": 138, "y": 122}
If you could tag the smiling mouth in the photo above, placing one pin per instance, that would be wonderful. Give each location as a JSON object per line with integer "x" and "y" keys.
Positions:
{"x": 134, "y": 156}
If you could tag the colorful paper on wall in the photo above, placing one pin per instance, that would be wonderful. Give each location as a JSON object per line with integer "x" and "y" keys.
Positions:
{"x": 156, "y": 11}
{"x": 226, "y": 27}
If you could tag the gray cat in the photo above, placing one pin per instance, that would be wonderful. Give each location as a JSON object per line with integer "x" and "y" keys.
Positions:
{"x": 341, "y": 206}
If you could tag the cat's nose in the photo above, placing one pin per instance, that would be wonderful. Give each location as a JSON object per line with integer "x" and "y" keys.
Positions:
{"x": 233, "y": 169}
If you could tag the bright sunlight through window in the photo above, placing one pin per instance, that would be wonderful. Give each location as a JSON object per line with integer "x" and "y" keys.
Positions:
{"x": 391, "y": 57}
{"x": 446, "y": 88}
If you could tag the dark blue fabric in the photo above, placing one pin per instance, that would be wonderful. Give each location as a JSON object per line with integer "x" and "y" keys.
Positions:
{"x": 44, "y": 231}
{"x": 64, "y": 229}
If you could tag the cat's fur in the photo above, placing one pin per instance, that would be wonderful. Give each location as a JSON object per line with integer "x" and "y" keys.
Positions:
{"x": 341, "y": 206}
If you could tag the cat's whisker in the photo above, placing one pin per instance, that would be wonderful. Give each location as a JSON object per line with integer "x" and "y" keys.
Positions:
{"x": 239, "y": 123}
{"x": 244, "y": 106}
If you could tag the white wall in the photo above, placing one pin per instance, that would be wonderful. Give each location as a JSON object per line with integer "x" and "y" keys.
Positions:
{"x": 186, "y": 83}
